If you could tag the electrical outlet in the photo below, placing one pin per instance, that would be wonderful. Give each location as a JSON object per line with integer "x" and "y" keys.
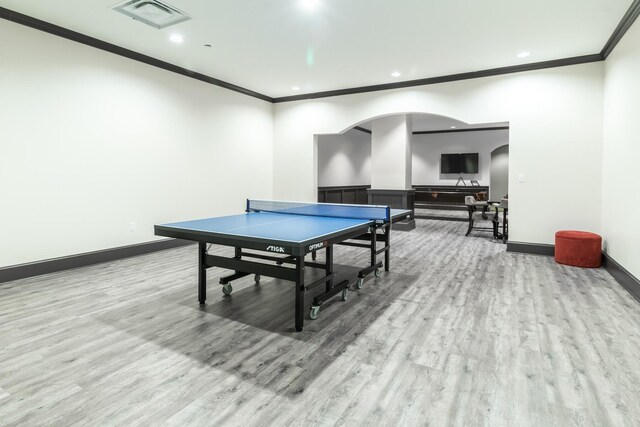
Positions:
{"x": 521, "y": 177}
{"x": 132, "y": 226}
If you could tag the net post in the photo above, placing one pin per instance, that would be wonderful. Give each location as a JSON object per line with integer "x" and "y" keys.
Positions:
{"x": 388, "y": 213}
{"x": 247, "y": 209}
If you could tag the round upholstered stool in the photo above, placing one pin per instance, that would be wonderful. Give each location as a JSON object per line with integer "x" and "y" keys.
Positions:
{"x": 578, "y": 248}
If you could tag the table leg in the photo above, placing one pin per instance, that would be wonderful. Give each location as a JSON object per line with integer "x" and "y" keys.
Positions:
{"x": 387, "y": 240}
{"x": 202, "y": 272}
{"x": 504, "y": 226}
{"x": 374, "y": 248}
{"x": 299, "y": 286}
{"x": 328, "y": 267}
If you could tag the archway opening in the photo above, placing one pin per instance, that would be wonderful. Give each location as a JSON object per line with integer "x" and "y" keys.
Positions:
{"x": 344, "y": 163}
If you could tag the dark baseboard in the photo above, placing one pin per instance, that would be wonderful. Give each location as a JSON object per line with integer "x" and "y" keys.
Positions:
{"x": 626, "y": 279}
{"x": 407, "y": 225}
{"x": 531, "y": 248}
{"x": 441, "y": 218}
{"x": 436, "y": 207}
{"x": 618, "y": 272}
{"x": 23, "y": 271}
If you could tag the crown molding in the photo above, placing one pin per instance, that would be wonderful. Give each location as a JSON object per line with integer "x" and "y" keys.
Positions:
{"x": 627, "y": 21}
{"x": 428, "y": 132}
{"x": 56, "y": 30}
{"x": 444, "y": 79}
{"x": 361, "y": 129}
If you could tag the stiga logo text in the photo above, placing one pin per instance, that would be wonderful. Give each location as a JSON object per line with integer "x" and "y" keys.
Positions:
{"x": 279, "y": 249}
{"x": 317, "y": 246}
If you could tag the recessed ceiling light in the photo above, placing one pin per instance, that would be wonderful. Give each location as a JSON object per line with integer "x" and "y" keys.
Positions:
{"x": 396, "y": 74}
{"x": 309, "y": 5}
{"x": 453, "y": 127}
{"x": 295, "y": 88}
{"x": 176, "y": 38}
{"x": 523, "y": 54}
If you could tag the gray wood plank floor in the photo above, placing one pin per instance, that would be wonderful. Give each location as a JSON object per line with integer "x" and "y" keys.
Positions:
{"x": 459, "y": 332}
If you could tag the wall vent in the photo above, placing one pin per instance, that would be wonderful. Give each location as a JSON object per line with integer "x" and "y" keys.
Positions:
{"x": 152, "y": 12}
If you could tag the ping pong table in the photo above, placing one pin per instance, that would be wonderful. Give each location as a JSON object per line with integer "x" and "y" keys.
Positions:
{"x": 290, "y": 230}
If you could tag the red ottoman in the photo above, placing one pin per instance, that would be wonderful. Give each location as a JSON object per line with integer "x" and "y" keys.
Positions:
{"x": 578, "y": 248}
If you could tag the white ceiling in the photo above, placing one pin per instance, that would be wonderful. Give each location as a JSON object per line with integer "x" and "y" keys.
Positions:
{"x": 269, "y": 46}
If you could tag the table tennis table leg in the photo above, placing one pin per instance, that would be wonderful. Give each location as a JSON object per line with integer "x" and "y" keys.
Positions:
{"x": 387, "y": 240}
{"x": 374, "y": 246}
{"x": 328, "y": 267}
{"x": 202, "y": 272}
{"x": 299, "y": 292}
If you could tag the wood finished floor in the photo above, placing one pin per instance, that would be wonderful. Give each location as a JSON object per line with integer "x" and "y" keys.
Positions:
{"x": 458, "y": 333}
{"x": 441, "y": 214}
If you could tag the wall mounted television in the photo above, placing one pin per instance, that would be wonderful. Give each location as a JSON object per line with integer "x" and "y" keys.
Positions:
{"x": 459, "y": 163}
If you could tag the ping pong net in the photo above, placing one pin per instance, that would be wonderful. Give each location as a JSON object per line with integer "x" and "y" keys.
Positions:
{"x": 367, "y": 212}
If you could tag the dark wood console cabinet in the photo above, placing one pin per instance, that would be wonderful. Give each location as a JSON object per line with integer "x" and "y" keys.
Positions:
{"x": 444, "y": 196}
{"x": 350, "y": 194}
{"x": 363, "y": 194}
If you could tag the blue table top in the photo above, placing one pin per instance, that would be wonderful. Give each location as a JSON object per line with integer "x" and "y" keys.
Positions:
{"x": 275, "y": 226}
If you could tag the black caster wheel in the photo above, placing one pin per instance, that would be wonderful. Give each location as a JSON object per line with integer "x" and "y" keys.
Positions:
{"x": 227, "y": 289}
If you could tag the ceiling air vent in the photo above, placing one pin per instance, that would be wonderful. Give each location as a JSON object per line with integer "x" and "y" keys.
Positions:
{"x": 152, "y": 12}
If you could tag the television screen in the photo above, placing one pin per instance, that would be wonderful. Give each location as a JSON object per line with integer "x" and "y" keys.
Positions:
{"x": 459, "y": 163}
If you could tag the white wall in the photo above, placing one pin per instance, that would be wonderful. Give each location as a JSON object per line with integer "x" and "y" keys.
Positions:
{"x": 344, "y": 159}
{"x": 391, "y": 153}
{"x": 555, "y": 139}
{"x": 79, "y": 126}
{"x": 90, "y": 142}
{"x": 621, "y": 153}
{"x": 427, "y": 149}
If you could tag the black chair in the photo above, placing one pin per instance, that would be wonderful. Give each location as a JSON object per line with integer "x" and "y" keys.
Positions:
{"x": 479, "y": 213}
